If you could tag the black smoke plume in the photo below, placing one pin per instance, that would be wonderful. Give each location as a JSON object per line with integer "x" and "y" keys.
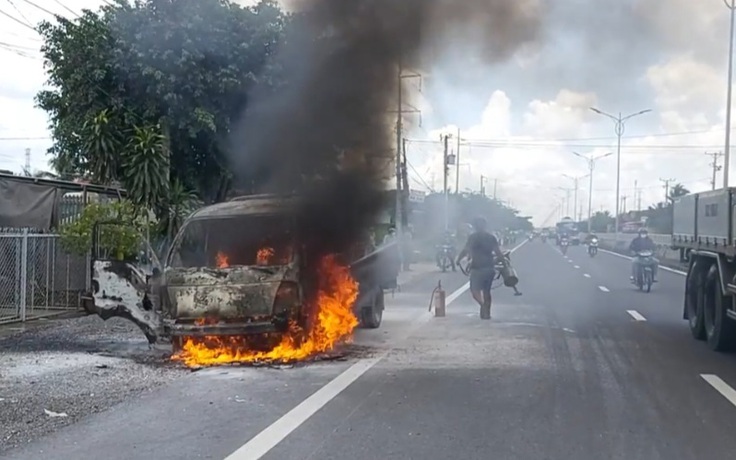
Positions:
{"x": 328, "y": 135}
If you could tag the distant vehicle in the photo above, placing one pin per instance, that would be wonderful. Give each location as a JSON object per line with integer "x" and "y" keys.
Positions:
{"x": 704, "y": 230}
{"x": 568, "y": 226}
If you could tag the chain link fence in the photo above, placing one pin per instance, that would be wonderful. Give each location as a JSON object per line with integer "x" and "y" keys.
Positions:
{"x": 37, "y": 277}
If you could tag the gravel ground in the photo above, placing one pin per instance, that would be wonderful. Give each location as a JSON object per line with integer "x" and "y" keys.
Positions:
{"x": 74, "y": 367}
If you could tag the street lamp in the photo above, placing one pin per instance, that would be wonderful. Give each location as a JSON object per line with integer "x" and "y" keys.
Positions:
{"x": 731, "y": 4}
{"x": 619, "y": 126}
{"x": 591, "y": 165}
{"x": 575, "y": 200}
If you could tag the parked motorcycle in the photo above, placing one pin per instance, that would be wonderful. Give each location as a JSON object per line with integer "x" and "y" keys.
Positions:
{"x": 445, "y": 258}
{"x": 645, "y": 271}
{"x": 593, "y": 247}
{"x": 563, "y": 245}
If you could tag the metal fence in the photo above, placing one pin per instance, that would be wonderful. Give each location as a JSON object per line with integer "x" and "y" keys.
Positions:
{"x": 37, "y": 277}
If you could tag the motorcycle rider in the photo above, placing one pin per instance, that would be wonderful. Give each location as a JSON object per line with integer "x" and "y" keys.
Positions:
{"x": 481, "y": 246}
{"x": 642, "y": 243}
{"x": 448, "y": 239}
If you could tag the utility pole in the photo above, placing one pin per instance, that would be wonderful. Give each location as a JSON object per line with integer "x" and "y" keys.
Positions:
{"x": 405, "y": 184}
{"x": 715, "y": 165}
{"x": 731, "y": 4}
{"x": 567, "y": 200}
{"x": 636, "y": 193}
{"x": 28, "y": 163}
{"x": 482, "y": 186}
{"x": 495, "y": 189}
{"x": 623, "y": 203}
{"x": 666, "y": 189}
{"x": 399, "y": 136}
{"x": 400, "y": 212}
{"x": 457, "y": 165}
{"x": 445, "y": 139}
{"x": 576, "y": 181}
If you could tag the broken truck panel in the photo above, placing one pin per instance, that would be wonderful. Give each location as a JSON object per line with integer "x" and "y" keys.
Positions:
{"x": 120, "y": 289}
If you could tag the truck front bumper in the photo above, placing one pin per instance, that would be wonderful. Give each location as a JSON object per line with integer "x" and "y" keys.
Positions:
{"x": 276, "y": 325}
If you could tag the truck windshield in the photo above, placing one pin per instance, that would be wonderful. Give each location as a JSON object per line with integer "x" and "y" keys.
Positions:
{"x": 254, "y": 240}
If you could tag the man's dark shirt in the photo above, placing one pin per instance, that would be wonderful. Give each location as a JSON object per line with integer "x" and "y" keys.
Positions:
{"x": 639, "y": 244}
{"x": 481, "y": 247}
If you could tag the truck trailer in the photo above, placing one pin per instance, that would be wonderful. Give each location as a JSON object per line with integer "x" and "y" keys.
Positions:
{"x": 704, "y": 230}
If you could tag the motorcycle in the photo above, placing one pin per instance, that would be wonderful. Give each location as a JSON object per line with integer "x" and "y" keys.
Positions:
{"x": 645, "y": 272}
{"x": 445, "y": 258}
{"x": 593, "y": 247}
{"x": 544, "y": 238}
{"x": 563, "y": 246}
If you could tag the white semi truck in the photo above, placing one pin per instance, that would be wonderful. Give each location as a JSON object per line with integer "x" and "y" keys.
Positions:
{"x": 704, "y": 230}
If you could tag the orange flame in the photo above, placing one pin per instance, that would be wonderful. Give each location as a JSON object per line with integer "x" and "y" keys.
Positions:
{"x": 221, "y": 260}
{"x": 335, "y": 322}
{"x": 264, "y": 256}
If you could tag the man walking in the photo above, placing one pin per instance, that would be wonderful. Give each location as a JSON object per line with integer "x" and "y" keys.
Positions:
{"x": 481, "y": 247}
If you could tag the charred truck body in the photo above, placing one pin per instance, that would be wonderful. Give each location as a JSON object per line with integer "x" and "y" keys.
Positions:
{"x": 704, "y": 230}
{"x": 235, "y": 268}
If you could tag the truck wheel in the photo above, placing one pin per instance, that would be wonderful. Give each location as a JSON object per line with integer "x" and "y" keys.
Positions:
{"x": 694, "y": 301}
{"x": 719, "y": 328}
{"x": 372, "y": 316}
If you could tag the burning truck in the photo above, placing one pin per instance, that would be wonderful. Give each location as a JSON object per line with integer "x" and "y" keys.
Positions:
{"x": 241, "y": 283}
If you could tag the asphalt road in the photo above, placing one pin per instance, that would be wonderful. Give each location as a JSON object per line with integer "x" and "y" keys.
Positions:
{"x": 581, "y": 366}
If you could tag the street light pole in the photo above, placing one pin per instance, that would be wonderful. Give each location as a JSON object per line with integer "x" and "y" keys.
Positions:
{"x": 591, "y": 165}
{"x": 731, "y": 4}
{"x": 619, "y": 127}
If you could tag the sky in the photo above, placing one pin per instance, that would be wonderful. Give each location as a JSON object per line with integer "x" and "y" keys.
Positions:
{"x": 519, "y": 120}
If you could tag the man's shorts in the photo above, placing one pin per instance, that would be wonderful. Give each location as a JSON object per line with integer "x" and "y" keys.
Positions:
{"x": 481, "y": 279}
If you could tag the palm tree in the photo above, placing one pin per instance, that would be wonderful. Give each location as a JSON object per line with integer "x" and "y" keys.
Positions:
{"x": 678, "y": 190}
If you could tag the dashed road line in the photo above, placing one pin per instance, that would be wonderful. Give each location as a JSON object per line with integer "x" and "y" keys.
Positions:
{"x": 603, "y": 288}
{"x": 577, "y": 266}
{"x": 586, "y": 275}
{"x": 722, "y": 387}
{"x": 636, "y": 315}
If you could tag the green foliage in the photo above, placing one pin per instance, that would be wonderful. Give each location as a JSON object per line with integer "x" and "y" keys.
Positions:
{"x": 121, "y": 230}
{"x": 143, "y": 92}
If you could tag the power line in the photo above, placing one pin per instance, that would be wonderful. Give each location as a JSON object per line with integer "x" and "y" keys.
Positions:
{"x": 18, "y": 20}
{"x": 41, "y": 8}
{"x": 66, "y": 8}
{"x": 20, "y": 12}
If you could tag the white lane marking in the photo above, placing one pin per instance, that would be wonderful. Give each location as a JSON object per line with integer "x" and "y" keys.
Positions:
{"x": 270, "y": 437}
{"x": 577, "y": 266}
{"x": 636, "y": 315}
{"x": 722, "y": 387}
{"x": 603, "y": 288}
{"x": 661, "y": 267}
{"x": 586, "y": 275}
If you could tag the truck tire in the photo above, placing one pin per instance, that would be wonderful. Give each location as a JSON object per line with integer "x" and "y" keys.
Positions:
{"x": 694, "y": 300}
{"x": 720, "y": 330}
{"x": 371, "y": 317}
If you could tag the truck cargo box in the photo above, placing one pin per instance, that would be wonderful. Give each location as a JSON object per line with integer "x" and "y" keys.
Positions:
{"x": 713, "y": 222}
{"x": 684, "y": 228}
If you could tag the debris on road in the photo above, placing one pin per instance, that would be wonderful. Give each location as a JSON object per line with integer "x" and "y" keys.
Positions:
{"x": 76, "y": 367}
